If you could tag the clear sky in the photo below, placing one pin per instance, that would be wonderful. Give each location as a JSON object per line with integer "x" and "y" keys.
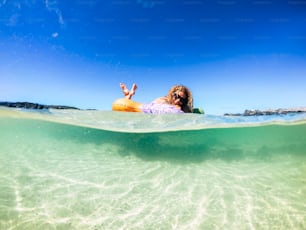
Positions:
{"x": 233, "y": 55}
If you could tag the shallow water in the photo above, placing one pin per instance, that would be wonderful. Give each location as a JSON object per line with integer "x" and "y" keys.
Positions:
{"x": 64, "y": 176}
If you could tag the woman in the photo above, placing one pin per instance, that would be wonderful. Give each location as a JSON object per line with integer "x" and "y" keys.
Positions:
{"x": 178, "y": 100}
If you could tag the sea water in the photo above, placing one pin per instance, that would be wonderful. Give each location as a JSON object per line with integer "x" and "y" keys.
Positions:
{"x": 109, "y": 170}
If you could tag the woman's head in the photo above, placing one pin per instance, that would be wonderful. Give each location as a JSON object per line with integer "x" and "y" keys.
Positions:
{"x": 181, "y": 96}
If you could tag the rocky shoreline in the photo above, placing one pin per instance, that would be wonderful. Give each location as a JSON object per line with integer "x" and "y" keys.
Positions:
{"x": 268, "y": 112}
{"x": 30, "y": 105}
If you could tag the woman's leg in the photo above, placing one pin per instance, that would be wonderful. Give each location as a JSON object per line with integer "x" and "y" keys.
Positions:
{"x": 124, "y": 89}
{"x": 132, "y": 91}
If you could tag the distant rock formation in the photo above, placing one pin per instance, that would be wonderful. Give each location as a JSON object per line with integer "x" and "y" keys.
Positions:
{"x": 267, "y": 112}
{"x": 29, "y": 105}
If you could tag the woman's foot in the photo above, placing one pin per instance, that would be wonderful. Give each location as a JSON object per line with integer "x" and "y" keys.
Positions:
{"x": 124, "y": 90}
{"x": 128, "y": 94}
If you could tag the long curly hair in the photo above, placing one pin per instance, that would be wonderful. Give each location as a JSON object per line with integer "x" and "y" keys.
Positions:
{"x": 187, "y": 105}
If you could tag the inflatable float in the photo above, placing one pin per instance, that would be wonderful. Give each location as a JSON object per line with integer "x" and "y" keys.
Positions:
{"x": 127, "y": 105}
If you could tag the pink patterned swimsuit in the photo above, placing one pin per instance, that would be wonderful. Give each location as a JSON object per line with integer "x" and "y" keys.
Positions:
{"x": 158, "y": 108}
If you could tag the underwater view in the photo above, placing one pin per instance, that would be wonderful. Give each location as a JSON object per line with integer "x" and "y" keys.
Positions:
{"x": 60, "y": 171}
{"x": 70, "y": 160}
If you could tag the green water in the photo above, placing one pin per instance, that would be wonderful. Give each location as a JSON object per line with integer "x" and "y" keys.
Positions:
{"x": 56, "y": 176}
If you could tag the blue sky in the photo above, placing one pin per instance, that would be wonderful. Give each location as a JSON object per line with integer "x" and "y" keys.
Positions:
{"x": 233, "y": 55}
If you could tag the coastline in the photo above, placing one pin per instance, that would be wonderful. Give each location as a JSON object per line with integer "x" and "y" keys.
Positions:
{"x": 247, "y": 112}
{"x": 31, "y": 105}
{"x": 279, "y": 111}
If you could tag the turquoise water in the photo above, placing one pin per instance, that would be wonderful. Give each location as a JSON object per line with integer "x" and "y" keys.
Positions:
{"x": 105, "y": 170}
